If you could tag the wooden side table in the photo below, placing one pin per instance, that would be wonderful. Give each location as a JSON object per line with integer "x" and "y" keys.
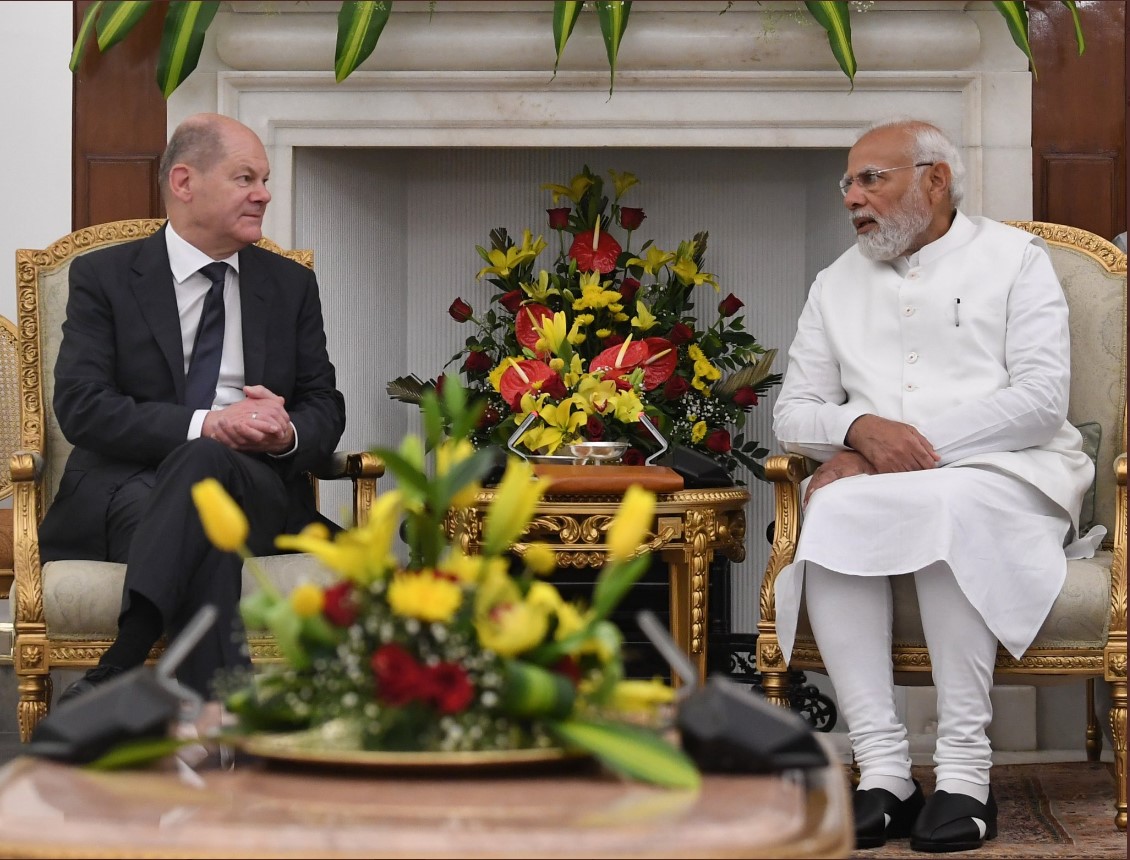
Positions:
{"x": 690, "y": 526}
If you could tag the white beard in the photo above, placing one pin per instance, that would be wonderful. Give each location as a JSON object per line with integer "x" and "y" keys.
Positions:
{"x": 897, "y": 230}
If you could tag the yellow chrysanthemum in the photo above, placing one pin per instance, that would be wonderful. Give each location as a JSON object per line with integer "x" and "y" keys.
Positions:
{"x": 423, "y": 595}
{"x": 698, "y": 431}
{"x": 223, "y": 520}
{"x": 631, "y": 524}
{"x": 307, "y": 600}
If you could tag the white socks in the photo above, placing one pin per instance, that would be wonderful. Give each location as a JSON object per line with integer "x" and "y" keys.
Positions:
{"x": 900, "y": 788}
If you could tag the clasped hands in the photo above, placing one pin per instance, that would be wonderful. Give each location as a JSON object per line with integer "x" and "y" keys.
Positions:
{"x": 877, "y": 445}
{"x": 256, "y": 425}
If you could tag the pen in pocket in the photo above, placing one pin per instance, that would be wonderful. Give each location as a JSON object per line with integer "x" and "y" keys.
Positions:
{"x": 956, "y": 310}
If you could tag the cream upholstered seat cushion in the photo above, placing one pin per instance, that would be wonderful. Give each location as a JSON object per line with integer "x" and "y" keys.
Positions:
{"x": 82, "y": 599}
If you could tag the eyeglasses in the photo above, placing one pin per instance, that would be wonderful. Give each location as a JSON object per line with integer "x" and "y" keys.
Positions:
{"x": 869, "y": 179}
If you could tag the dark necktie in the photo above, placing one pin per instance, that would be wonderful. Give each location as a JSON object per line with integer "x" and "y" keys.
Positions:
{"x": 204, "y": 366}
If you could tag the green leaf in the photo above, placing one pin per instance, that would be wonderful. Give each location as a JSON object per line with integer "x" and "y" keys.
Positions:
{"x": 565, "y": 14}
{"x": 833, "y": 16}
{"x": 631, "y": 750}
{"x": 409, "y": 389}
{"x": 613, "y": 15}
{"x": 117, "y": 19}
{"x": 1016, "y": 17}
{"x": 614, "y": 581}
{"x": 1070, "y": 4}
{"x": 284, "y": 622}
{"x": 84, "y": 31}
{"x": 407, "y": 475}
{"x": 134, "y": 753}
{"x": 359, "y": 25}
{"x": 182, "y": 38}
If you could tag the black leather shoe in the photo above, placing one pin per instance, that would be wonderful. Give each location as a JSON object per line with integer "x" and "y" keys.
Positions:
{"x": 93, "y": 677}
{"x": 946, "y": 823}
{"x": 880, "y": 816}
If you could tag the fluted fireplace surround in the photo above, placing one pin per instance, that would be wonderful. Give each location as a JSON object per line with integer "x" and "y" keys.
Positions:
{"x": 736, "y": 123}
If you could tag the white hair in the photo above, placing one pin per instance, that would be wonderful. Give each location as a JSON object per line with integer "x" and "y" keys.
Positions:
{"x": 930, "y": 144}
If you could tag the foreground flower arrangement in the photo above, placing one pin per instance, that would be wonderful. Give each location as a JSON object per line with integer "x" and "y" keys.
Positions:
{"x": 447, "y": 652}
{"x": 604, "y": 336}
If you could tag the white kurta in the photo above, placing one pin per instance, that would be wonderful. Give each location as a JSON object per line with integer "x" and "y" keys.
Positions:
{"x": 968, "y": 341}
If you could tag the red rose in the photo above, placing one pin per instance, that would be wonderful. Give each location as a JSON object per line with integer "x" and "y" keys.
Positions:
{"x": 568, "y": 667}
{"x": 730, "y": 305}
{"x": 601, "y": 258}
{"x": 477, "y": 362}
{"x": 718, "y": 441}
{"x": 612, "y": 340}
{"x": 680, "y": 333}
{"x": 745, "y": 397}
{"x": 451, "y": 688}
{"x": 489, "y": 418}
{"x": 630, "y": 217}
{"x": 558, "y": 218}
{"x": 628, "y": 289}
{"x": 439, "y": 384}
{"x": 675, "y": 387}
{"x": 460, "y": 311}
{"x": 339, "y": 606}
{"x": 554, "y": 387}
{"x": 594, "y": 429}
{"x": 400, "y": 679}
{"x": 632, "y": 457}
{"x": 512, "y": 300}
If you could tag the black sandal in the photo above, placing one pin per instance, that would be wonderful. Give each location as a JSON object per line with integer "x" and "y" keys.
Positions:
{"x": 880, "y": 816}
{"x": 946, "y": 823}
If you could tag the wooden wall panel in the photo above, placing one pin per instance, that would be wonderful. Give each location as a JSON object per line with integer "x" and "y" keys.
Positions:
{"x": 1079, "y": 116}
{"x": 119, "y": 127}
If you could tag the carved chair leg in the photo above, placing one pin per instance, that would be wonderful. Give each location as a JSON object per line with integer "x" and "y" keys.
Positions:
{"x": 1118, "y": 733}
{"x": 776, "y": 687}
{"x": 1094, "y": 742}
{"x": 35, "y": 692}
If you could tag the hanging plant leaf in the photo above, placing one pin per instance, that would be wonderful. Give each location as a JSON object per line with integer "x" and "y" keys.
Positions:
{"x": 181, "y": 41}
{"x": 833, "y": 16}
{"x": 613, "y": 15}
{"x": 117, "y": 19}
{"x": 1016, "y": 16}
{"x": 359, "y": 25}
{"x": 1070, "y": 4}
{"x": 565, "y": 14}
{"x": 84, "y": 31}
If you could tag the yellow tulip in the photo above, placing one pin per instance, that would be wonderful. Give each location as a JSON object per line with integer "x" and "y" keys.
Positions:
{"x": 513, "y": 507}
{"x": 631, "y": 524}
{"x": 223, "y": 520}
{"x": 423, "y": 595}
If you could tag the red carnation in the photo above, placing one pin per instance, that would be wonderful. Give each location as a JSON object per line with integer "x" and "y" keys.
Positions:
{"x": 680, "y": 333}
{"x": 601, "y": 258}
{"x": 730, "y": 305}
{"x": 339, "y": 606}
{"x": 594, "y": 429}
{"x": 718, "y": 440}
{"x": 745, "y": 397}
{"x": 628, "y": 289}
{"x": 512, "y": 300}
{"x": 460, "y": 311}
{"x": 675, "y": 387}
{"x": 558, "y": 218}
{"x": 451, "y": 691}
{"x": 400, "y": 679}
{"x": 630, "y": 217}
{"x": 477, "y": 362}
{"x": 632, "y": 457}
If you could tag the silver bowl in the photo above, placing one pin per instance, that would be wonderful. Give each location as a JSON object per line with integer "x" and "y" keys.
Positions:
{"x": 595, "y": 453}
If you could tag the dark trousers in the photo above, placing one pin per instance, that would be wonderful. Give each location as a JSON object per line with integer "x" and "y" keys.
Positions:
{"x": 153, "y": 527}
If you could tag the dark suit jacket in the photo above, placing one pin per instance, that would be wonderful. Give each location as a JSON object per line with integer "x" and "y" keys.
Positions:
{"x": 119, "y": 379}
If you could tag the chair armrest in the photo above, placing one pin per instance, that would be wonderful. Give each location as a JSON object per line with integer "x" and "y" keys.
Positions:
{"x": 785, "y": 472}
{"x": 347, "y": 464}
{"x": 26, "y": 465}
{"x": 1118, "y": 562}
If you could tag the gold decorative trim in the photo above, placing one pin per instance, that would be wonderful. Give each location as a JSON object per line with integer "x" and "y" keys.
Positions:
{"x": 1107, "y": 253}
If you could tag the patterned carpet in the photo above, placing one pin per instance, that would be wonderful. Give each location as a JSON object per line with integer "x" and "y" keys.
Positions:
{"x": 1063, "y": 810}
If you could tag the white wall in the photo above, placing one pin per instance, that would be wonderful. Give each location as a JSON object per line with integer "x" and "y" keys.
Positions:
{"x": 35, "y": 148}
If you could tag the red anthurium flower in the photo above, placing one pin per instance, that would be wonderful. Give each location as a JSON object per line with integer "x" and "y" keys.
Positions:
{"x": 618, "y": 361}
{"x": 451, "y": 691}
{"x": 630, "y": 217}
{"x": 660, "y": 362}
{"x": 594, "y": 429}
{"x": 512, "y": 300}
{"x": 522, "y": 377}
{"x": 628, "y": 289}
{"x": 400, "y": 679}
{"x": 680, "y": 333}
{"x": 460, "y": 311}
{"x": 339, "y": 605}
{"x": 595, "y": 256}
{"x": 477, "y": 362}
{"x": 730, "y": 305}
{"x": 633, "y": 457}
{"x": 718, "y": 440}
{"x": 745, "y": 397}
{"x": 558, "y": 218}
{"x": 675, "y": 388}
{"x": 524, "y": 324}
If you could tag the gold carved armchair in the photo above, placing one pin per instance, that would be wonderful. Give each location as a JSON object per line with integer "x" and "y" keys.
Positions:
{"x": 1084, "y": 636}
{"x": 65, "y": 612}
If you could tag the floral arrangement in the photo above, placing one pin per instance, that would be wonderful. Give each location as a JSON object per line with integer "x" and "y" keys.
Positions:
{"x": 604, "y": 336}
{"x": 447, "y": 652}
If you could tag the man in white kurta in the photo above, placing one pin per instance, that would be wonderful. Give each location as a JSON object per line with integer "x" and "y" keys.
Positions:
{"x": 929, "y": 375}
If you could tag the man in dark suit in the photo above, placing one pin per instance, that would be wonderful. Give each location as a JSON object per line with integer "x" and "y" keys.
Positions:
{"x": 186, "y": 355}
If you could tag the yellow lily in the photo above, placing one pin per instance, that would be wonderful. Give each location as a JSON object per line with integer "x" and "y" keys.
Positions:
{"x": 553, "y": 335}
{"x": 644, "y": 319}
{"x": 631, "y": 524}
{"x": 512, "y": 629}
{"x": 622, "y": 182}
{"x": 224, "y": 521}
{"x": 653, "y": 261}
{"x": 514, "y": 502}
{"x": 594, "y": 295}
{"x": 540, "y": 558}
{"x": 503, "y": 262}
{"x": 627, "y": 405}
{"x": 575, "y": 190}
{"x": 640, "y": 697}
{"x": 423, "y": 595}
{"x": 471, "y": 568}
{"x": 540, "y": 290}
{"x": 686, "y": 270}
